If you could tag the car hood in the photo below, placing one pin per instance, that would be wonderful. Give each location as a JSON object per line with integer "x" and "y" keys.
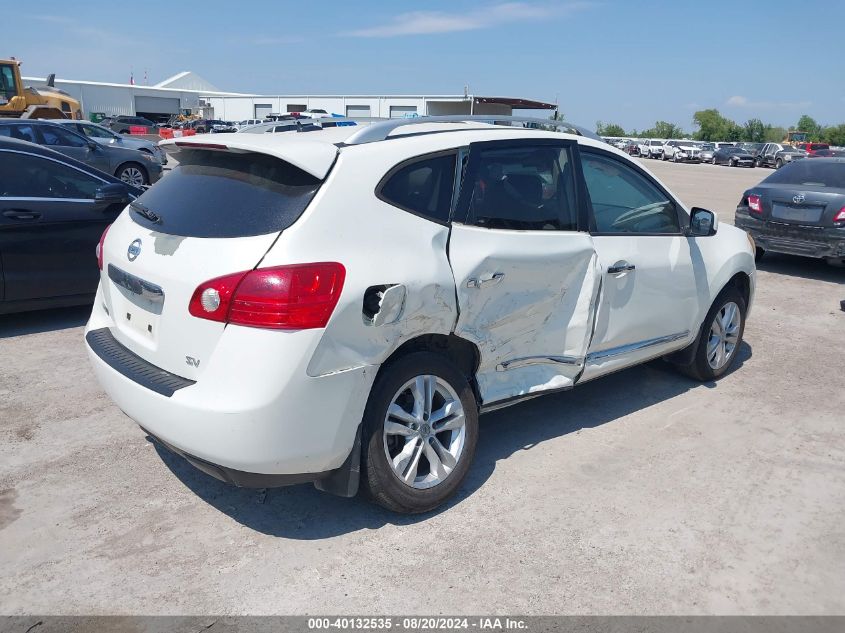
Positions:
{"x": 127, "y": 143}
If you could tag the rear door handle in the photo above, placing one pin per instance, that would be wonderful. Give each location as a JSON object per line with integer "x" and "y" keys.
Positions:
{"x": 620, "y": 267}
{"x": 484, "y": 283}
{"x": 21, "y": 214}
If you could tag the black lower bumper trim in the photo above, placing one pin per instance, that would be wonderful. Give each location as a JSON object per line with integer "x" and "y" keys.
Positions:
{"x": 240, "y": 478}
{"x": 135, "y": 368}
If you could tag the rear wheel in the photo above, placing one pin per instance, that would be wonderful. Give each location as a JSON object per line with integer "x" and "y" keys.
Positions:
{"x": 720, "y": 337}
{"x": 420, "y": 432}
{"x": 133, "y": 174}
{"x": 778, "y": 163}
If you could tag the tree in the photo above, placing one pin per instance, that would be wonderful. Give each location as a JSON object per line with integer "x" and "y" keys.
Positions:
{"x": 712, "y": 126}
{"x": 774, "y": 134}
{"x": 609, "y": 129}
{"x": 835, "y": 135}
{"x": 664, "y": 129}
{"x": 755, "y": 131}
{"x": 808, "y": 124}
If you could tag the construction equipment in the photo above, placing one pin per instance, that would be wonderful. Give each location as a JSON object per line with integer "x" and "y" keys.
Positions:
{"x": 28, "y": 102}
{"x": 794, "y": 137}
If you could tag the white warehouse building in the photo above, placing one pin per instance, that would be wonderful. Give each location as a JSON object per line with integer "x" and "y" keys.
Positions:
{"x": 241, "y": 107}
{"x": 187, "y": 92}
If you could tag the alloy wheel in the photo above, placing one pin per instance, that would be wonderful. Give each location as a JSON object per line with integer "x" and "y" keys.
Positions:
{"x": 133, "y": 176}
{"x": 424, "y": 432}
{"x": 724, "y": 335}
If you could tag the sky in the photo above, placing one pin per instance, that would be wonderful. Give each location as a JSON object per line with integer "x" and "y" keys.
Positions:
{"x": 630, "y": 62}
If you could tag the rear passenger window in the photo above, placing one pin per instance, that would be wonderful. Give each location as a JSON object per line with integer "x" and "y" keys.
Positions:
{"x": 423, "y": 187}
{"x": 529, "y": 188}
{"x": 20, "y": 132}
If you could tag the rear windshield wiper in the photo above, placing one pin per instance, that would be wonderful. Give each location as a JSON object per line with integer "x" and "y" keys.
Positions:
{"x": 145, "y": 212}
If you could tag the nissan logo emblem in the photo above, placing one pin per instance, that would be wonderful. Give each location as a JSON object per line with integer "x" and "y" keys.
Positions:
{"x": 134, "y": 250}
{"x": 798, "y": 199}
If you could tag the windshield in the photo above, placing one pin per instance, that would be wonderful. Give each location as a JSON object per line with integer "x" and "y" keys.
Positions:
{"x": 95, "y": 131}
{"x": 810, "y": 173}
{"x": 218, "y": 194}
{"x": 709, "y": 146}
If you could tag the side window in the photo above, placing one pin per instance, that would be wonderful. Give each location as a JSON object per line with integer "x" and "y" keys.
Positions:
{"x": 54, "y": 135}
{"x": 423, "y": 187}
{"x": 28, "y": 176}
{"x": 7, "y": 82}
{"x": 20, "y": 132}
{"x": 625, "y": 201}
{"x": 526, "y": 187}
{"x": 94, "y": 131}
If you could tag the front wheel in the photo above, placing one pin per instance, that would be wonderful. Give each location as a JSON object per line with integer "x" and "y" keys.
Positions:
{"x": 133, "y": 174}
{"x": 758, "y": 162}
{"x": 720, "y": 337}
{"x": 420, "y": 433}
{"x": 713, "y": 160}
{"x": 778, "y": 163}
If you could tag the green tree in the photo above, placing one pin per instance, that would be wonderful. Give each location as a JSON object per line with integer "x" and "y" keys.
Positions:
{"x": 664, "y": 129}
{"x": 609, "y": 129}
{"x": 712, "y": 126}
{"x": 835, "y": 135}
{"x": 774, "y": 134}
{"x": 754, "y": 131}
{"x": 809, "y": 125}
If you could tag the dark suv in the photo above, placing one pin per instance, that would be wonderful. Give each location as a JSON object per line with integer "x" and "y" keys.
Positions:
{"x": 121, "y": 124}
{"x": 777, "y": 155}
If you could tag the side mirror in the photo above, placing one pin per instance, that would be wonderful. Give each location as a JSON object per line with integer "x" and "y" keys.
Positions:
{"x": 702, "y": 223}
{"x": 112, "y": 193}
{"x": 92, "y": 145}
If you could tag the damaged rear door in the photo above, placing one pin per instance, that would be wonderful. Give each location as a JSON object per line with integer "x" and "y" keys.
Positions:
{"x": 527, "y": 278}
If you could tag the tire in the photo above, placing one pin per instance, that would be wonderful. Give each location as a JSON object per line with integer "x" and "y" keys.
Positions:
{"x": 133, "y": 174}
{"x": 778, "y": 163}
{"x": 758, "y": 162}
{"x": 759, "y": 253}
{"x": 713, "y": 160}
{"x": 701, "y": 368}
{"x": 675, "y": 157}
{"x": 394, "y": 390}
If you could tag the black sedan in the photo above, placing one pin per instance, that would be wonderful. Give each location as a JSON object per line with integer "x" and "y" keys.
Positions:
{"x": 799, "y": 209}
{"x": 733, "y": 156}
{"x": 53, "y": 211}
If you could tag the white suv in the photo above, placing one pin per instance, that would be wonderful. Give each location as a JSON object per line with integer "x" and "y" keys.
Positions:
{"x": 655, "y": 148}
{"x": 315, "y": 306}
{"x": 681, "y": 151}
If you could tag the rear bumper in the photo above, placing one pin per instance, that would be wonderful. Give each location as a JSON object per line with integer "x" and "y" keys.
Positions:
{"x": 793, "y": 239}
{"x": 255, "y": 418}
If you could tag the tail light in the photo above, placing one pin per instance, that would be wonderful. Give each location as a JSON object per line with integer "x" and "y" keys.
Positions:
{"x": 297, "y": 297}
{"x": 99, "y": 249}
{"x": 840, "y": 215}
{"x": 755, "y": 205}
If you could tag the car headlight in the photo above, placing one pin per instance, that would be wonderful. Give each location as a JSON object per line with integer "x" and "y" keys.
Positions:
{"x": 149, "y": 156}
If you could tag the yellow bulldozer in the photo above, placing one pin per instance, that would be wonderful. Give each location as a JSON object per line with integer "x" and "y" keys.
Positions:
{"x": 28, "y": 102}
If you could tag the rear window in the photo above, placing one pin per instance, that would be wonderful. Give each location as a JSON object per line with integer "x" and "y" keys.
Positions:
{"x": 222, "y": 194}
{"x": 810, "y": 173}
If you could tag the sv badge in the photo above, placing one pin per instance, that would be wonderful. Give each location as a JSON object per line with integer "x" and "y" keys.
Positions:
{"x": 193, "y": 362}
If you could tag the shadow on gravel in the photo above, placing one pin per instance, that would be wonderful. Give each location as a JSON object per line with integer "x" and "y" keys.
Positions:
{"x": 302, "y": 512}
{"x": 802, "y": 267}
{"x": 22, "y": 323}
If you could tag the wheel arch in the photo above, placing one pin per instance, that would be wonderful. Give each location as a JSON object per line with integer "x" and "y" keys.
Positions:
{"x": 463, "y": 353}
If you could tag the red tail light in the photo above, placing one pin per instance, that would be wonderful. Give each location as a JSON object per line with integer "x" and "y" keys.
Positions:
{"x": 99, "y": 249}
{"x": 755, "y": 205}
{"x": 840, "y": 215}
{"x": 297, "y": 297}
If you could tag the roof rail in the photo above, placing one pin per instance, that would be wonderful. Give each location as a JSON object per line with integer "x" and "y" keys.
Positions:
{"x": 381, "y": 130}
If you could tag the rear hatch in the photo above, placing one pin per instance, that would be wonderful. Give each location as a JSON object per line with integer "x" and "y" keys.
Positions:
{"x": 806, "y": 193}
{"x": 217, "y": 213}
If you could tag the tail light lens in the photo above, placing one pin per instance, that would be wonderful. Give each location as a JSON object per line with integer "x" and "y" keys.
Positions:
{"x": 755, "y": 205}
{"x": 297, "y": 297}
{"x": 99, "y": 249}
{"x": 840, "y": 215}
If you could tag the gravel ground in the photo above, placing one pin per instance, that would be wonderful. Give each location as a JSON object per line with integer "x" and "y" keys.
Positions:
{"x": 641, "y": 493}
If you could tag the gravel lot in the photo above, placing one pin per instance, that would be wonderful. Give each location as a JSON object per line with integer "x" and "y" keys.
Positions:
{"x": 639, "y": 493}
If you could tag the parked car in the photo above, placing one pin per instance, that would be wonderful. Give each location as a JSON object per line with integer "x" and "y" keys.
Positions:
{"x": 722, "y": 145}
{"x": 732, "y": 157}
{"x": 812, "y": 148}
{"x": 706, "y": 152}
{"x": 291, "y": 342}
{"x": 753, "y": 148}
{"x": 315, "y": 113}
{"x": 129, "y": 165}
{"x": 53, "y": 210}
{"x": 642, "y": 147}
{"x": 104, "y": 135}
{"x": 777, "y": 155}
{"x": 123, "y": 124}
{"x": 655, "y": 148}
{"x": 248, "y": 122}
{"x": 799, "y": 209}
{"x": 826, "y": 153}
{"x": 681, "y": 151}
